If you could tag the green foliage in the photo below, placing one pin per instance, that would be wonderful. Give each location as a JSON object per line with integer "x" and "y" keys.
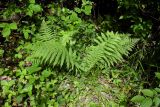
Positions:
{"x": 148, "y": 97}
{"x": 86, "y": 7}
{"x": 34, "y": 86}
{"x": 33, "y": 9}
{"x": 7, "y": 28}
{"x": 72, "y": 40}
{"x": 157, "y": 74}
{"x": 52, "y": 50}
{"x": 1, "y": 52}
{"x": 109, "y": 49}
{"x": 147, "y": 92}
{"x": 137, "y": 98}
{"x": 31, "y": 84}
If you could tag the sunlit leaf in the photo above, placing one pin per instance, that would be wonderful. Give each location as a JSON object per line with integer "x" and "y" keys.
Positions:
{"x": 87, "y": 10}
{"x": 137, "y": 99}
{"x": 13, "y": 26}
{"x": 147, "y": 92}
{"x": 157, "y": 75}
{"x": 156, "y": 101}
{"x": 6, "y": 32}
{"x": 32, "y": 1}
{"x": 147, "y": 102}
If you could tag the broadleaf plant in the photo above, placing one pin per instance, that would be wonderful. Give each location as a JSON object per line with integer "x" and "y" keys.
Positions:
{"x": 7, "y": 27}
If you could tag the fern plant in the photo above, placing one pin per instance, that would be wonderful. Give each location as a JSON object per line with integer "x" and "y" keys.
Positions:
{"x": 51, "y": 50}
{"x": 108, "y": 50}
{"x": 57, "y": 50}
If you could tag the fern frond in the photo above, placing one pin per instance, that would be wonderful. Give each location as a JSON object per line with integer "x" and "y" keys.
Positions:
{"x": 45, "y": 33}
{"x": 109, "y": 50}
{"x": 51, "y": 51}
{"x": 66, "y": 37}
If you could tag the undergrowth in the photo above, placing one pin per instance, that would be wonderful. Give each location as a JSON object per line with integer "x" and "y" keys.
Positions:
{"x": 63, "y": 53}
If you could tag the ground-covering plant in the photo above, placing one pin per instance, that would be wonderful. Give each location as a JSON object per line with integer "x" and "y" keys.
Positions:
{"x": 44, "y": 43}
{"x": 148, "y": 97}
{"x": 107, "y": 49}
{"x": 30, "y": 89}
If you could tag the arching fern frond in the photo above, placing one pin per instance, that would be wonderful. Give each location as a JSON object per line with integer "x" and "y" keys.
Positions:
{"x": 51, "y": 51}
{"x": 109, "y": 49}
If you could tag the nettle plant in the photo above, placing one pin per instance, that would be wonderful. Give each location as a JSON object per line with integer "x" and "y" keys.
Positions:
{"x": 74, "y": 44}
